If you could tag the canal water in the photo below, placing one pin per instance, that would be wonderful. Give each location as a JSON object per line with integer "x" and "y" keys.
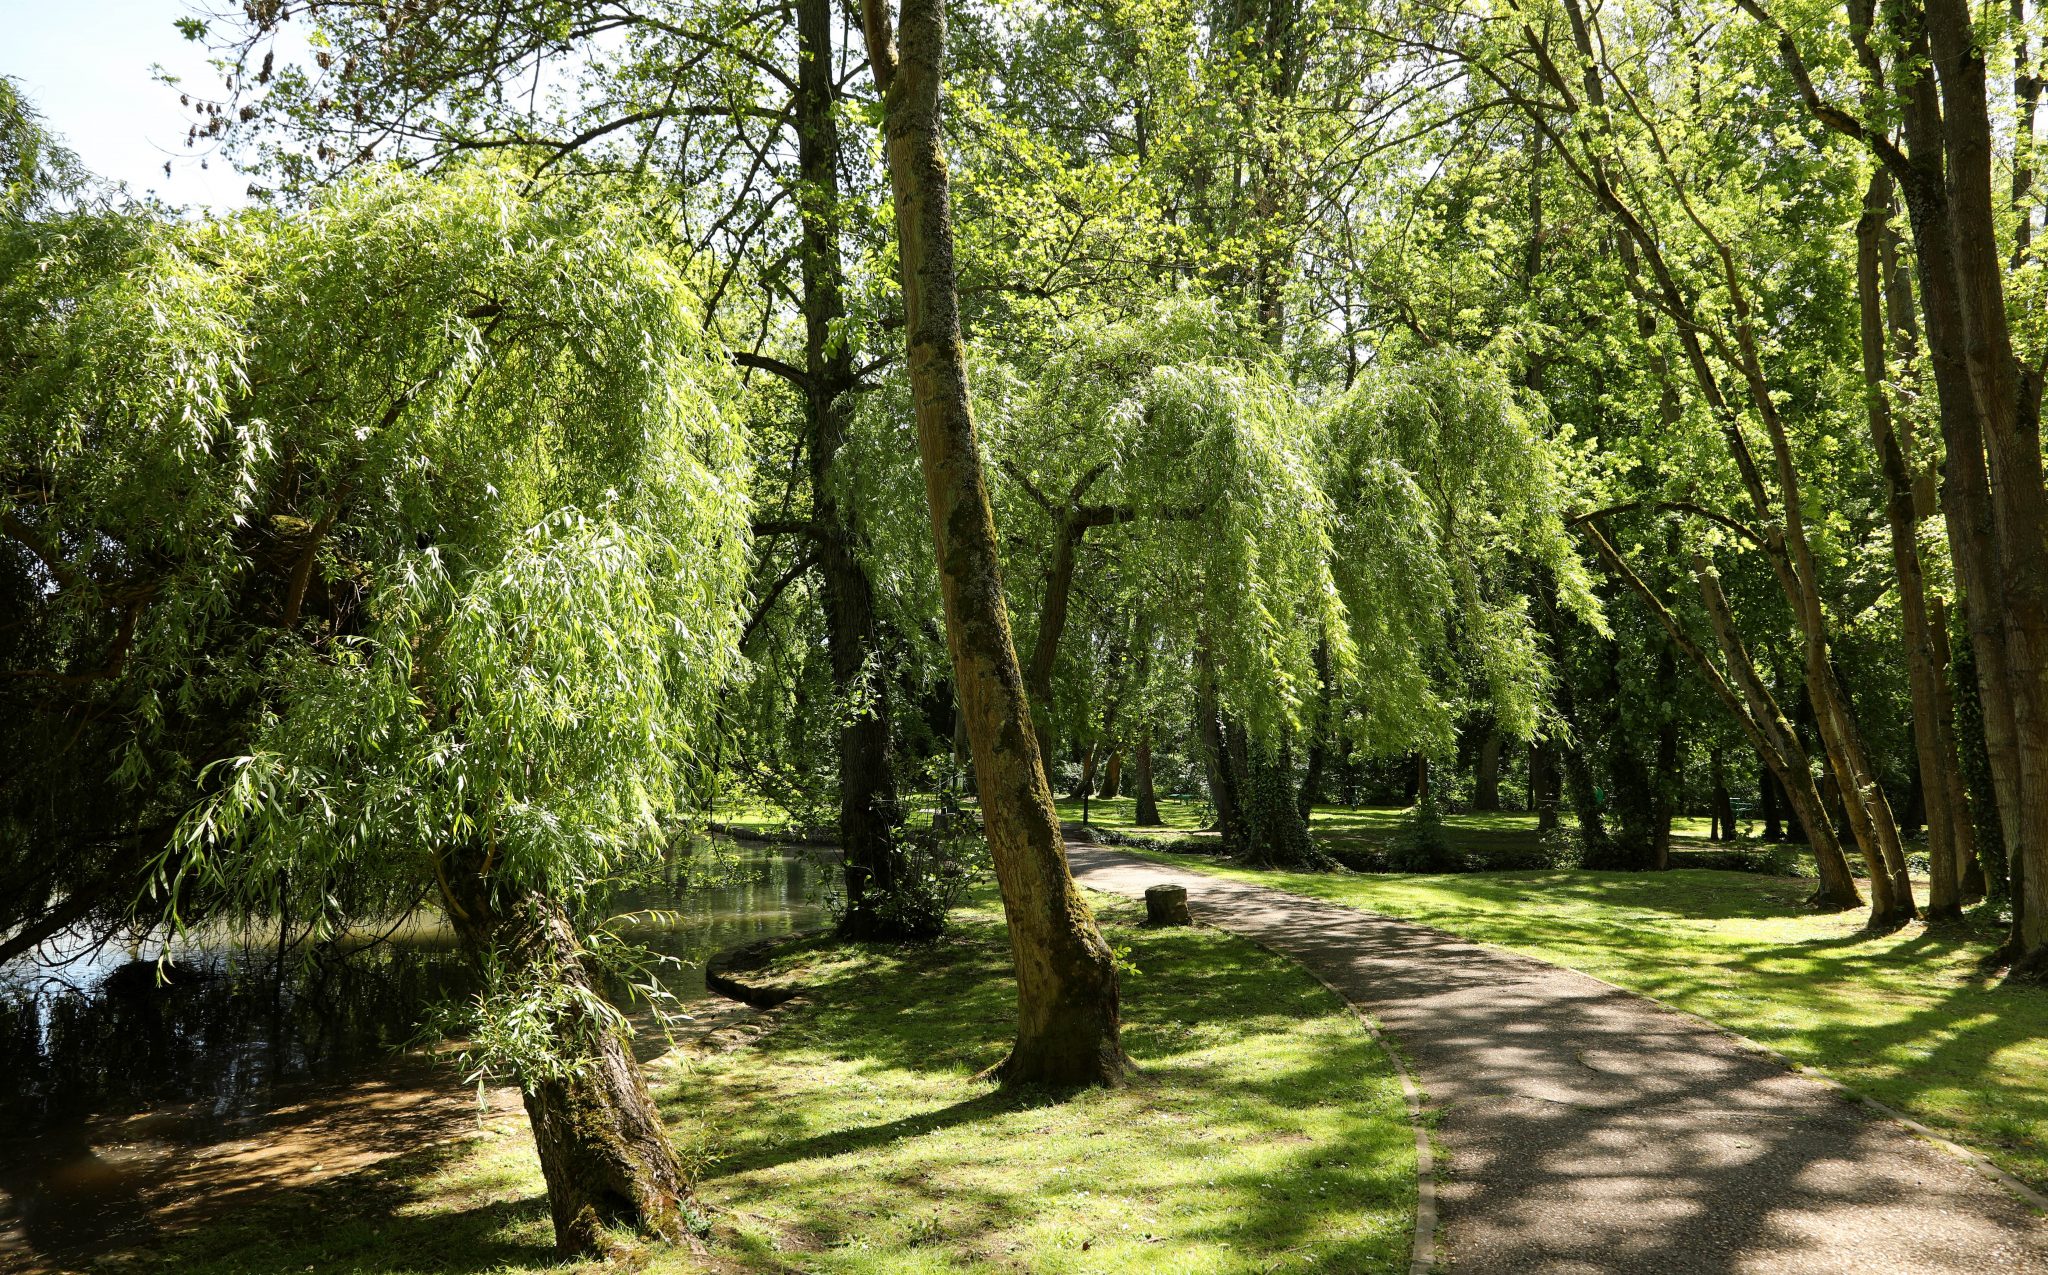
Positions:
{"x": 91, "y": 1031}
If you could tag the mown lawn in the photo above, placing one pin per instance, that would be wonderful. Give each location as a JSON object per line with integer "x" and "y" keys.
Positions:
{"x": 1905, "y": 1018}
{"x": 1265, "y": 1131}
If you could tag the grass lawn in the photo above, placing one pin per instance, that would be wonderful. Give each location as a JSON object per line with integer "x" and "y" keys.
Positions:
{"x": 1904, "y": 1017}
{"x": 1265, "y": 1132}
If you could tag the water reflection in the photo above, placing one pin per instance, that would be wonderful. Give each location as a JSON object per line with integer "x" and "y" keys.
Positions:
{"x": 89, "y": 1031}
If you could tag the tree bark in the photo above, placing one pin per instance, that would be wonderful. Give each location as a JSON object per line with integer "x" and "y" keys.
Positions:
{"x": 869, "y": 815}
{"x": 603, "y": 1150}
{"x": 1543, "y": 785}
{"x": 1753, "y": 706}
{"x": 1922, "y": 667}
{"x": 2009, "y": 400}
{"x": 1768, "y": 802}
{"x": 1486, "y": 771}
{"x": 1723, "y": 804}
{"x": 1147, "y": 815}
{"x": 1067, "y": 997}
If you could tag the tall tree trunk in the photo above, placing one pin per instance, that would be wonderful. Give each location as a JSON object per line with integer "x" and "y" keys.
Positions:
{"x": 1045, "y": 644}
{"x": 1215, "y": 746}
{"x": 1147, "y": 815}
{"x": 1723, "y": 804}
{"x": 1067, "y": 1002}
{"x": 869, "y": 815}
{"x": 1113, "y": 776}
{"x": 1782, "y": 536}
{"x": 1543, "y": 784}
{"x": 1922, "y": 667}
{"x": 1318, "y": 738}
{"x": 1486, "y": 771}
{"x": 603, "y": 1150}
{"x": 2009, "y": 400}
{"x": 1769, "y": 794}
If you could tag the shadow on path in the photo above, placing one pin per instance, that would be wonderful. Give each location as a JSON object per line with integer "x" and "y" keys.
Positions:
{"x": 1589, "y": 1130}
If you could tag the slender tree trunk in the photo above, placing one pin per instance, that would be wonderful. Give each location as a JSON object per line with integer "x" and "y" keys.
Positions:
{"x": 1753, "y": 706}
{"x": 1215, "y": 746}
{"x": 1970, "y": 882}
{"x": 869, "y": 815}
{"x": 1922, "y": 667}
{"x": 1723, "y": 804}
{"x": 1768, "y": 803}
{"x": 1113, "y": 776}
{"x": 1067, "y": 1003}
{"x": 603, "y": 1150}
{"x": 1318, "y": 738}
{"x": 1774, "y": 738}
{"x": 1147, "y": 812}
{"x": 1045, "y": 644}
{"x": 1783, "y": 534}
{"x": 1543, "y": 784}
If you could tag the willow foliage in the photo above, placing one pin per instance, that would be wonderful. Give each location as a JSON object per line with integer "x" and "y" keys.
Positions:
{"x": 415, "y": 519}
{"x": 1182, "y": 425}
{"x": 1447, "y": 490}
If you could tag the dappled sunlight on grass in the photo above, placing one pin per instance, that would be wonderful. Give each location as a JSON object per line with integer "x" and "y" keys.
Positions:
{"x": 1905, "y": 1017}
{"x": 1264, "y": 1130}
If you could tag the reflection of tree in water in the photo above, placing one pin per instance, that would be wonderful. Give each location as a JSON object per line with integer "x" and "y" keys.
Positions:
{"x": 229, "y": 1024}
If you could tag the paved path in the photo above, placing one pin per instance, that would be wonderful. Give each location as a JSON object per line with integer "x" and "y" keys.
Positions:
{"x": 1589, "y": 1130}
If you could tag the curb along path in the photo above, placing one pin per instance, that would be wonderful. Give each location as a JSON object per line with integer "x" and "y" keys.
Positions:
{"x": 1589, "y": 1130}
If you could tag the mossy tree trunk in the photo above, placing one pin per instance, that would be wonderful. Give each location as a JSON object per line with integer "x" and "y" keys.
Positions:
{"x": 1067, "y": 1002}
{"x": 603, "y": 1149}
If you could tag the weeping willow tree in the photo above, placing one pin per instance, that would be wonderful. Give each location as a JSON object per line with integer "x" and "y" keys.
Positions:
{"x": 1171, "y": 442}
{"x": 1448, "y": 492}
{"x": 402, "y": 542}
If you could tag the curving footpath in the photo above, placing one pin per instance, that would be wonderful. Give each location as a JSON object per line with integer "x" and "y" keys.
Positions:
{"x": 1589, "y": 1130}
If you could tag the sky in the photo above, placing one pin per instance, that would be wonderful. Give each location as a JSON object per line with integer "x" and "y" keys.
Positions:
{"x": 86, "y": 66}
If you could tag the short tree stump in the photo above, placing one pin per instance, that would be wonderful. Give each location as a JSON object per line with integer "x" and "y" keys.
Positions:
{"x": 1167, "y": 905}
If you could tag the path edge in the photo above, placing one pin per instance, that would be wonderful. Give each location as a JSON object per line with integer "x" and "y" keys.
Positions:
{"x": 2027, "y": 1195}
{"x": 1422, "y": 1259}
{"x": 1422, "y": 1255}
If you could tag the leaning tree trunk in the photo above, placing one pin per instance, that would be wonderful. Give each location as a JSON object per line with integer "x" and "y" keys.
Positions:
{"x": 603, "y": 1150}
{"x": 1067, "y": 1005}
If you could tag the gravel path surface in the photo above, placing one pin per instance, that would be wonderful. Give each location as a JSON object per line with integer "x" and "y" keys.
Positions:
{"x": 1588, "y": 1130}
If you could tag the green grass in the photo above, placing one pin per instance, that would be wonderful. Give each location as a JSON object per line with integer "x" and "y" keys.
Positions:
{"x": 1905, "y": 1018}
{"x": 1181, "y": 814}
{"x": 1265, "y": 1131}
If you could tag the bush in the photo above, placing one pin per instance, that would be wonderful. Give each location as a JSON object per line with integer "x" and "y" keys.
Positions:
{"x": 1423, "y": 846}
{"x": 1559, "y": 848}
{"x": 1765, "y": 860}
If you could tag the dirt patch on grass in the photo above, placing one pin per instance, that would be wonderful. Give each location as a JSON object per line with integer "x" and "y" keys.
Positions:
{"x": 79, "y": 1197}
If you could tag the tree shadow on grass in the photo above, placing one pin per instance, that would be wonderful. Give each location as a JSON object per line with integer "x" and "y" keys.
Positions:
{"x": 365, "y": 1221}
